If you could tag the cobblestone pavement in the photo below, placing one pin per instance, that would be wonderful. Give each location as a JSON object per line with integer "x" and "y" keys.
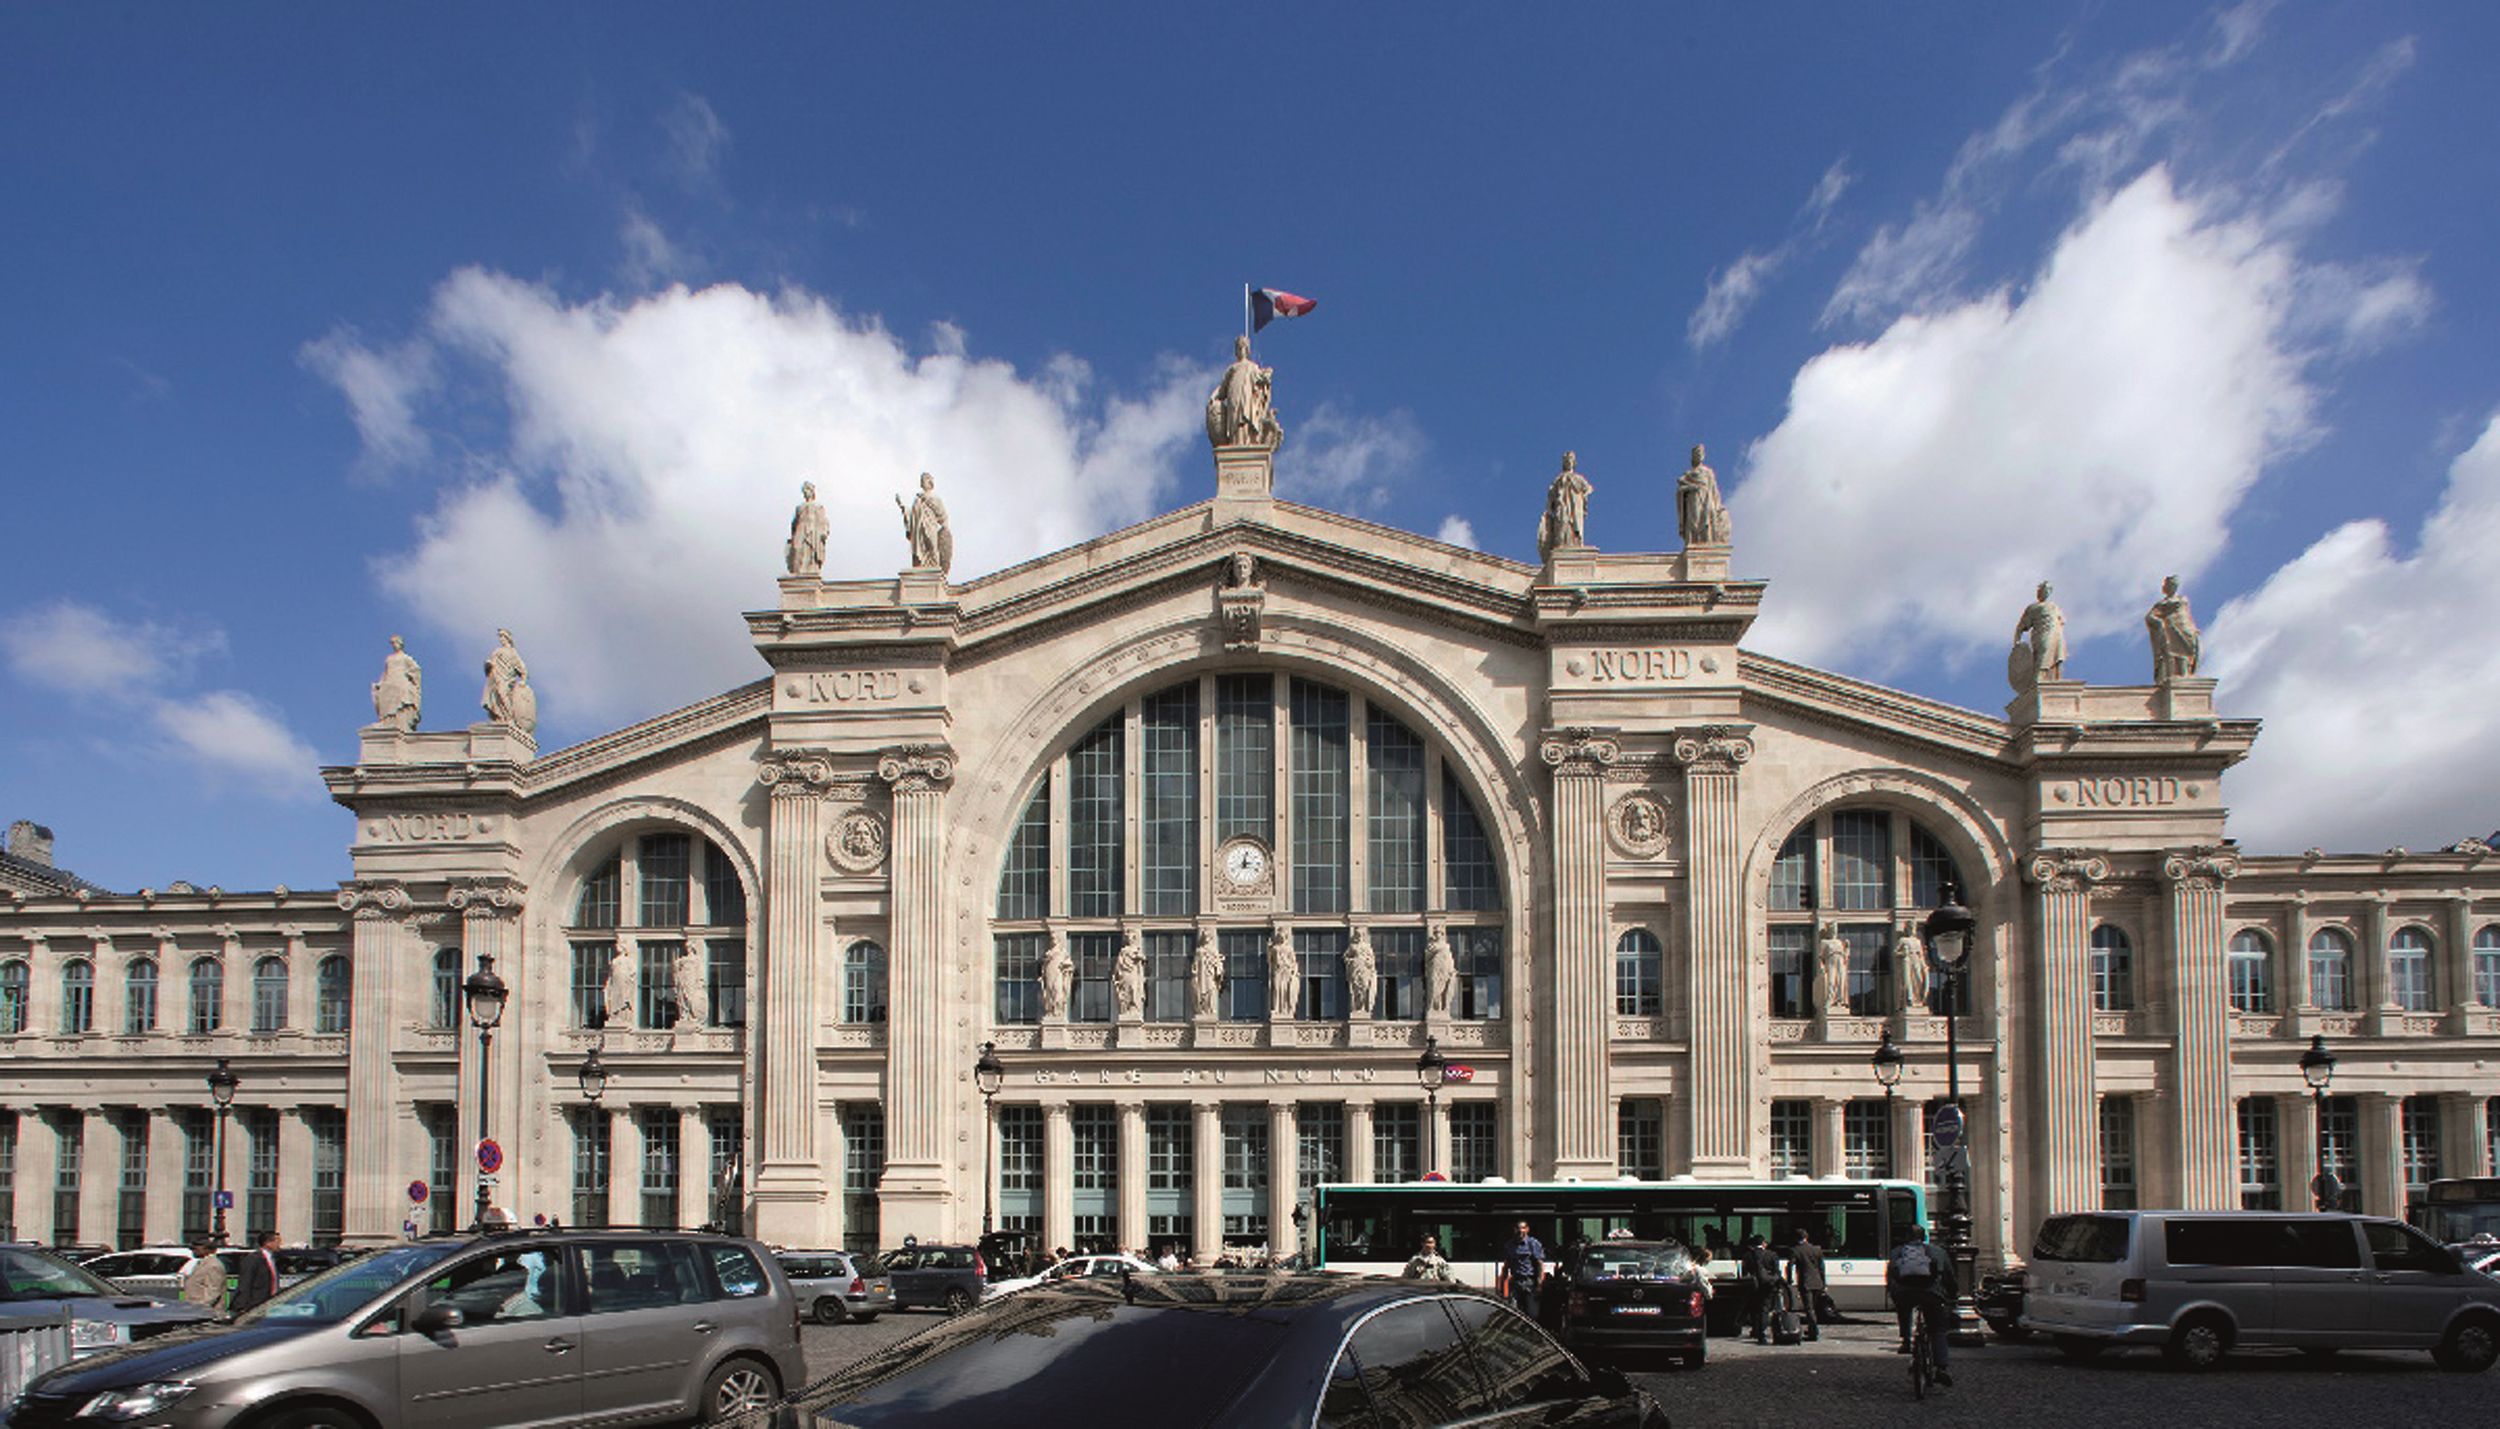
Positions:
{"x": 1851, "y": 1379}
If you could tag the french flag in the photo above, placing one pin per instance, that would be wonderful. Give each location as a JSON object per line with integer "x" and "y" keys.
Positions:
{"x": 1269, "y": 304}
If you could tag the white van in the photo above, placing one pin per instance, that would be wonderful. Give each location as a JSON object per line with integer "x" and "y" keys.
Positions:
{"x": 2198, "y": 1283}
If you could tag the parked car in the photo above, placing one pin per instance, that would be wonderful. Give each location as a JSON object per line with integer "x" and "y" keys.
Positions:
{"x": 1629, "y": 1296}
{"x": 834, "y": 1285}
{"x": 1250, "y": 1349}
{"x": 454, "y": 1333}
{"x": 952, "y": 1278}
{"x": 149, "y": 1270}
{"x": 303, "y": 1262}
{"x": 1078, "y": 1267}
{"x": 102, "y": 1314}
{"x": 2196, "y": 1284}
{"x": 2000, "y": 1303}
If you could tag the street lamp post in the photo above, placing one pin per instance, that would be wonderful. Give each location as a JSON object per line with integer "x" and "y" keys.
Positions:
{"x": 2317, "y": 1068}
{"x": 1887, "y": 1062}
{"x": 1948, "y": 931}
{"x": 221, "y": 1084}
{"x": 1432, "y": 1069}
{"x": 485, "y": 993}
{"x": 989, "y": 1074}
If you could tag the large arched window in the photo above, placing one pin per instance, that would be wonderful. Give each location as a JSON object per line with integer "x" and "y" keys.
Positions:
{"x": 139, "y": 998}
{"x": 2330, "y": 969}
{"x": 444, "y": 1008}
{"x": 863, "y": 983}
{"x": 208, "y": 996}
{"x": 2113, "y": 969}
{"x": 269, "y": 995}
{"x": 1251, "y": 801}
{"x": 78, "y": 997}
{"x": 2409, "y": 982}
{"x": 2252, "y": 972}
{"x": 2486, "y": 967}
{"x": 15, "y": 982}
{"x": 1864, "y": 873}
{"x": 1639, "y": 971}
{"x": 658, "y": 936}
{"x": 333, "y": 994}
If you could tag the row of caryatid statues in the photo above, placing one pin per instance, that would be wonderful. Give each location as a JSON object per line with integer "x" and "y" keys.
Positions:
{"x": 1909, "y": 959}
{"x": 686, "y": 978}
{"x": 1206, "y": 974}
{"x": 2039, "y": 651}
{"x": 1700, "y": 514}
{"x": 399, "y": 696}
{"x": 925, "y": 528}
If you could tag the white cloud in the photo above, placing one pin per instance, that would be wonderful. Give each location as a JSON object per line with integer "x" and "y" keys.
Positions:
{"x": 1347, "y": 458}
{"x": 1731, "y": 291}
{"x": 76, "y": 649}
{"x": 2379, "y": 687}
{"x": 651, "y": 258}
{"x": 2098, "y": 430}
{"x": 2237, "y": 30}
{"x": 1456, "y": 530}
{"x": 640, "y": 497}
{"x": 696, "y": 139}
{"x": 382, "y": 387}
{"x": 228, "y": 733}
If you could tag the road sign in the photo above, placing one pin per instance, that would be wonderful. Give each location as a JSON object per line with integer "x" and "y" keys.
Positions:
{"x": 489, "y": 1155}
{"x": 224, "y": 1200}
{"x": 1946, "y": 1128}
{"x": 408, "y": 1229}
{"x": 1458, "y": 1072}
{"x": 417, "y": 1192}
{"x": 1435, "y": 1176}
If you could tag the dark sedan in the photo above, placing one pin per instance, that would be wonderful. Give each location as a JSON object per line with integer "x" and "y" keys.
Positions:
{"x": 36, "y": 1284}
{"x": 1629, "y": 1296}
{"x": 1338, "y": 1352}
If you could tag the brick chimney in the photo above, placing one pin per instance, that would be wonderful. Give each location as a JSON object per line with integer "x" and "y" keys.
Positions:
{"x": 30, "y": 841}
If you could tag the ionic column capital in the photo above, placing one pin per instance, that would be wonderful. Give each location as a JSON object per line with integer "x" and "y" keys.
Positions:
{"x": 2059, "y": 870}
{"x": 1578, "y": 752}
{"x": 917, "y": 768}
{"x": 796, "y": 773}
{"x": 373, "y": 898}
{"x": 2201, "y": 870}
{"x": 1713, "y": 749}
{"x": 487, "y": 897}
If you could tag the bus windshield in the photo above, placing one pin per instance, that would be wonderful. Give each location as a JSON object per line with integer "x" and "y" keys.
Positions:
{"x": 1850, "y": 1220}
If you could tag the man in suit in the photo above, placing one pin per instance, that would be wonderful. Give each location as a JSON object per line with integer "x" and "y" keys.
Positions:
{"x": 258, "y": 1278}
{"x": 1805, "y": 1272}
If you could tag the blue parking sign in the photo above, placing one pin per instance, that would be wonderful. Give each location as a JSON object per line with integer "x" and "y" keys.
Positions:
{"x": 225, "y": 1200}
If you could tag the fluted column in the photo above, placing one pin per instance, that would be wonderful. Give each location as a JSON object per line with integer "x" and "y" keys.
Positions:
{"x": 1723, "y": 1038}
{"x": 2296, "y": 1130}
{"x": 38, "y": 1169}
{"x": 2202, "y": 1121}
{"x": 790, "y": 1186}
{"x": 1058, "y": 1176}
{"x": 2066, "y": 1144}
{"x": 295, "y": 1177}
{"x": 1909, "y": 1140}
{"x": 100, "y": 1176}
{"x": 2382, "y": 1153}
{"x": 166, "y": 1145}
{"x": 2463, "y": 1148}
{"x": 1831, "y": 1142}
{"x": 694, "y": 1167}
{"x": 1132, "y": 1189}
{"x": 1574, "y": 1017}
{"x": 1358, "y": 1142}
{"x": 1284, "y": 1177}
{"x": 924, "y": 1085}
{"x": 1206, "y": 1194}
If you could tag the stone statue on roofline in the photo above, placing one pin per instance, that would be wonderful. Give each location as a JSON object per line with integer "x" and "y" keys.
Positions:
{"x": 2044, "y": 656}
{"x": 1565, "y": 526}
{"x": 1241, "y": 411}
{"x": 924, "y": 525}
{"x": 804, "y": 554}
{"x": 399, "y": 695}
{"x": 2176, "y": 644}
{"x": 1699, "y": 513}
{"x": 508, "y": 698}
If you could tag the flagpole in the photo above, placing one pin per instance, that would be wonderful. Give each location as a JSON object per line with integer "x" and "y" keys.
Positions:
{"x": 1245, "y": 310}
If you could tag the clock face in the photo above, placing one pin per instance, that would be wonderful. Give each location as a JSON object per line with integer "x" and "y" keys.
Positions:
{"x": 1244, "y": 863}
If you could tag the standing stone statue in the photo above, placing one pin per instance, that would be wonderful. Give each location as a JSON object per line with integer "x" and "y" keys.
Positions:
{"x": 504, "y": 670}
{"x": 1241, "y": 411}
{"x": 1831, "y": 971}
{"x": 1128, "y": 976}
{"x": 2176, "y": 645}
{"x": 805, "y": 553}
{"x": 2045, "y": 657}
{"x": 1206, "y": 973}
{"x": 924, "y": 524}
{"x": 1440, "y": 969}
{"x": 1284, "y": 975}
{"x": 1058, "y": 975}
{"x": 400, "y": 693}
{"x": 1565, "y": 526}
{"x": 617, "y": 1001}
{"x": 1362, "y": 972}
{"x": 1911, "y": 955}
{"x": 1699, "y": 513}
{"x": 690, "y": 990}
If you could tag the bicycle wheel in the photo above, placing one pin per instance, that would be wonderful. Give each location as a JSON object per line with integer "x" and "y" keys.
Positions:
{"x": 1922, "y": 1353}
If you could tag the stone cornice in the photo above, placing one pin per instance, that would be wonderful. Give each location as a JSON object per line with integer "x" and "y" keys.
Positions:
{"x": 1860, "y": 704}
{"x": 1579, "y": 752}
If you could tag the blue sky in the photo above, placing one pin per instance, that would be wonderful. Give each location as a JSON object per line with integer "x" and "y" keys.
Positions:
{"x": 331, "y": 322}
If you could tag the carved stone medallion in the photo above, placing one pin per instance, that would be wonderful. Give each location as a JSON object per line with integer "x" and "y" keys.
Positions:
{"x": 857, "y": 843}
{"x": 1638, "y": 822}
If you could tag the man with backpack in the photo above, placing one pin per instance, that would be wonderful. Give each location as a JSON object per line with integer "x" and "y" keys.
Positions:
{"x": 1920, "y": 1274}
{"x": 1761, "y": 1266}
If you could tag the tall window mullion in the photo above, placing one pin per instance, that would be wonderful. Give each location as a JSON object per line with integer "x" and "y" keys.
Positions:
{"x": 2261, "y": 1185}
{"x": 1024, "y": 884}
{"x": 1097, "y": 832}
{"x": 1168, "y": 804}
{"x": 1245, "y": 757}
{"x": 1394, "y": 770}
{"x": 1322, "y": 771}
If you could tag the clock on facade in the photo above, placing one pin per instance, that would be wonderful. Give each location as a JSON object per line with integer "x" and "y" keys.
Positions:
{"x": 1244, "y": 863}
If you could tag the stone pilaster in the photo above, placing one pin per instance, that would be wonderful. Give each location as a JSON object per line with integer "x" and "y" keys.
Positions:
{"x": 2456, "y": 965}
{"x": 2201, "y": 1115}
{"x": 1577, "y": 1013}
{"x": 923, "y": 1084}
{"x": 1909, "y": 1139}
{"x": 790, "y": 1186}
{"x": 1206, "y": 1193}
{"x": 1831, "y": 1143}
{"x": 2066, "y": 1144}
{"x": 694, "y": 1167}
{"x": 100, "y": 1176}
{"x": 1058, "y": 1176}
{"x": 295, "y": 1178}
{"x": 2374, "y": 991}
{"x": 1721, "y": 1106}
{"x": 1133, "y": 1174}
{"x": 1437, "y": 1155}
{"x": 165, "y": 1167}
{"x": 1284, "y": 1176}
{"x": 2463, "y": 1148}
{"x": 2296, "y": 1130}
{"x": 2382, "y": 1169}
{"x": 38, "y": 1168}
{"x": 1358, "y": 1142}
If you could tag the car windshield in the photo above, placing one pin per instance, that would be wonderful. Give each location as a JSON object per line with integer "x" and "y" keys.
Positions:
{"x": 33, "y": 1275}
{"x": 343, "y": 1290}
{"x": 1636, "y": 1262}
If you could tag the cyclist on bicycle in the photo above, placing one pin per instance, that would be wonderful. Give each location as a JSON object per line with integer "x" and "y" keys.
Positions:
{"x": 1921, "y": 1275}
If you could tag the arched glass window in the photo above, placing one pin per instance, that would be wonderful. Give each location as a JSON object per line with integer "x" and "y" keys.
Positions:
{"x": 445, "y": 1006}
{"x": 2487, "y": 966}
{"x": 2113, "y": 969}
{"x": 78, "y": 997}
{"x": 2252, "y": 972}
{"x": 1639, "y": 970}
{"x": 658, "y": 936}
{"x": 139, "y": 998}
{"x": 863, "y": 983}
{"x": 1859, "y": 873}
{"x": 2330, "y": 969}
{"x": 208, "y": 996}
{"x": 15, "y": 980}
{"x": 269, "y": 995}
{"x": 333, "y": 994}
{"x": 1260, "y": 799}
{"x": 2409, "y": 982}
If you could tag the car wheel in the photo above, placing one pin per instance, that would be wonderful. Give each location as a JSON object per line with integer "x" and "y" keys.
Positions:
{"x": 2078, "y": 1349}
{"x": 958, "y": 1300}
{"x": 2470, "y": 1348}
{"x": 2199, "y": 1342}
{"x": 737, "y": 1389}
{"x": 828, "y": 1310}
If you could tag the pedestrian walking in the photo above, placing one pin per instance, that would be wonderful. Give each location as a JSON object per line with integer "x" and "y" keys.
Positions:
{"x": 1805, "y": 1275}
{"x": 257, "y": 1280}
{"x": 205, "y": 1282}
{"x": 1761, "y": 1268}
{"x": 1524, "y": 1266}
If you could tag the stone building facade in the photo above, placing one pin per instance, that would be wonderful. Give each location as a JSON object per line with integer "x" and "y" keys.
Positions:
{"x": 1207, "y": 825}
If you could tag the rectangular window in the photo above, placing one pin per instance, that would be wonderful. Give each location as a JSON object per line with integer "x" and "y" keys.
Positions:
{"x": 1861, "y": 860}
{"x": 1320, "y": 955}
{"x": 1094, "y": 1172}
{"x": 1321, "y": 773}
{"x": 1475, "y": 1148}
{"x": 1870, "y": 968}
{"x": 69, "y": 1142}
{"x": 1641, "y": 1138}
{"x": 2330, "y": 972}
{"x": 1245, "y": 1156}
{"x": 1171, "y": 1162}
{"x": 724, "y": 898}
{"x": 1639, "y": 972}
{"x": 2420, "y": 1134}
{"x": 602, "y": 903}
{"x": 2409, "y": 971}
{"x": 863, "y": 1166}
{"x": 2339, "y": 1146}
{"x": 1791, "y": 958}
{"x": 2118, "y": 1153}
{"x": 1469, "y": 881}
{"x": 1931, "y": 869}
{"x": 663, "y": 867}
{"x": 2261, "y": 1156}
{"x": 590, "y": 983}
{"x": 130, "y": 1218}
{"x": 660, "y": 1165}
{"x": 1478, "y": 952}
{"x": 725, "y": 981}
{"x": 1167, "y": 977}
{"x": 1866, "y": 1139}
{"x": 655, "y": 991}
{"x": 259, "y": 1126}
{"x": 9, "y": 1125}
{"x": 1792, "y": 874}
{"x": 139, "y": 1006}
{"x": 594, "y": 1131}
{"x": 1167, "y": 728}
{"x": 1024, "y": 882}
{"x": 1792, "y": 1138}
{"x": 1019, "y": 977}
{"x": 328, "y": 1126}
{"x": 1320, "y": 1138}
{"x": 727, "y": 1128}
{"x": 1093, "y": 954}
{"x": 199, "y": 1174}
{"x": 1395, "y": 759}
{"x": 1399, "y": 955}
{"x": 2487, "y": 970}
{"x": 1020, "y": 1161}
{"x": 1245, "y": 974}
{"x": 442, "y": 1144}
{"x": 1096, "y": 812}
{"x": 1397, "y": 1141}
{"x": 2251, "y": 989}
{"x": 1245, "y": 757}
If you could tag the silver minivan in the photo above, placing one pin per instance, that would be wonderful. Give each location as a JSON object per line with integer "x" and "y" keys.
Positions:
{"x": 2196, "y": 1284}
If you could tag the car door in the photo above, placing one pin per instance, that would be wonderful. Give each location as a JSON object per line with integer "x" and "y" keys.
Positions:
{"x": 2321, "y": 1293}
{"x": 903, "y": 1272}
{"x": 1402, "y": 1366}
{"x": 1527, "y": 1378}
{"x": 2418, "y": 1283}
{"x": 514, "y": 1360}
{"x": 647, "y": 1330}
